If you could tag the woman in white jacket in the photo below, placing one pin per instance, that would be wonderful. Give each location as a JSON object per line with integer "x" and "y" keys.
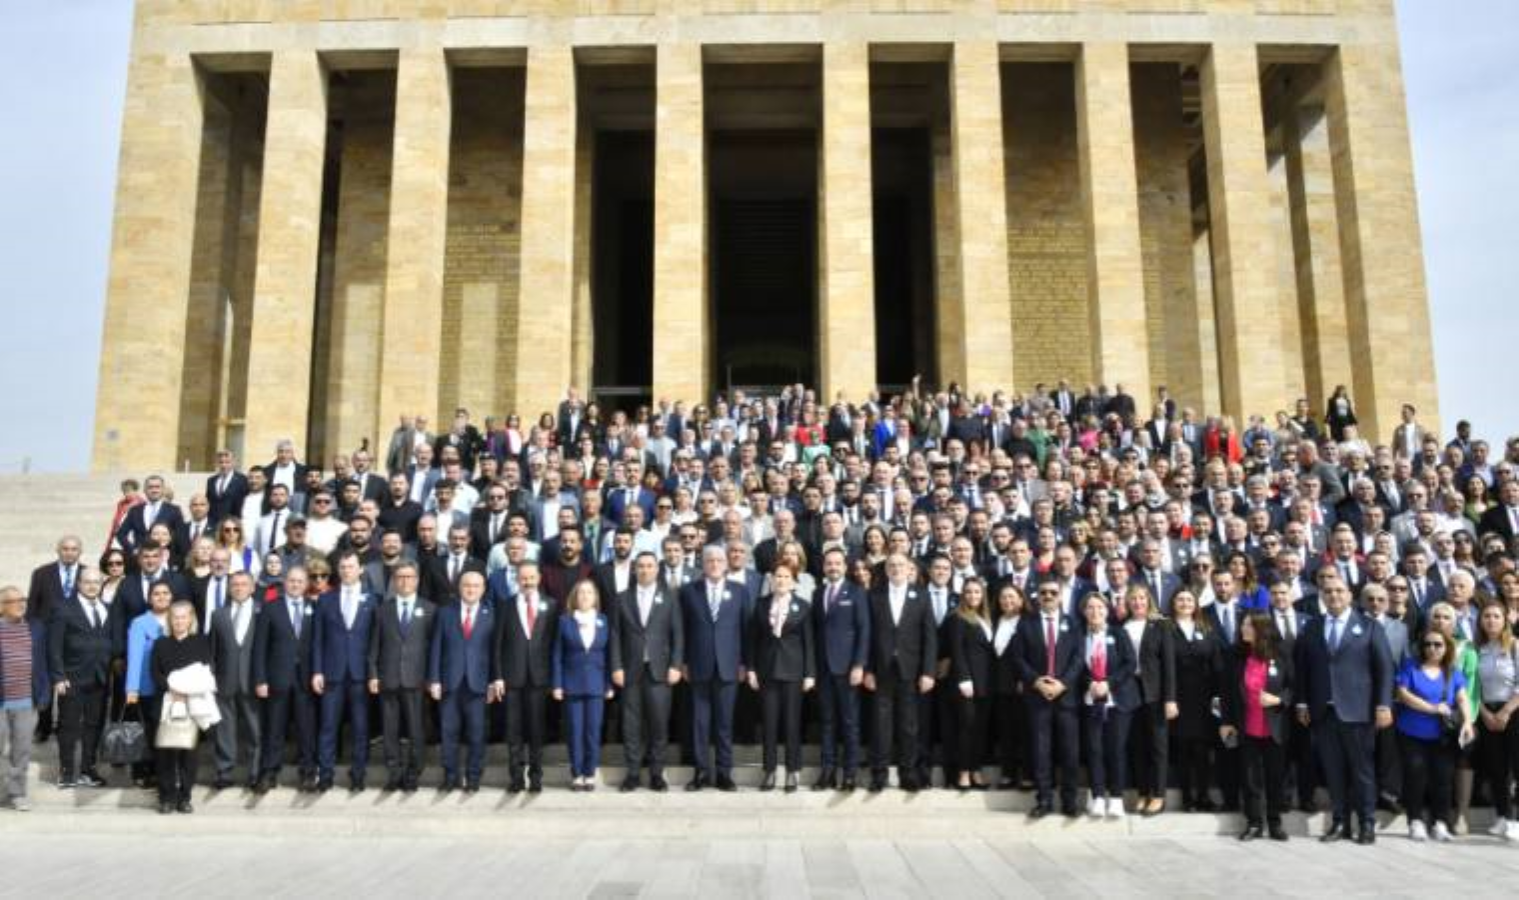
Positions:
{"x": 184, "y": 646}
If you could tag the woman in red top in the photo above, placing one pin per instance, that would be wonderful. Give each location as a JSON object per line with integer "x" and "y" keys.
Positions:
{"x": 1256, "y": 694}
{"x": 1222, "y": 439}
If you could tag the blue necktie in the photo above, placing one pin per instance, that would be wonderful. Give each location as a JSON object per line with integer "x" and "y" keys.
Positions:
{"x": 218, "y": 594}
{"x": 1334, "y": 635}
{"x": 405, "y": 618}
{"x": 68, "y": 580}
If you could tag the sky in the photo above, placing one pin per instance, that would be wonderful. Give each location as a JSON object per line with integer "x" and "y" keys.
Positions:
{"x": 63, "y": 80}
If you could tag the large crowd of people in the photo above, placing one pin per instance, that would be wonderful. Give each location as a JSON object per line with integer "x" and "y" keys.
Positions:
{"x": 1050, "y": 586}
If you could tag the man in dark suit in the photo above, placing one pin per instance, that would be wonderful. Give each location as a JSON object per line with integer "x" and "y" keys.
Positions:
{"x": 464, "y": 674}
{"x": 340, "y": 670}
{"x": 1152, "y": 574}
{"x": 1503, "y": 519}
{"x": 1290, "y": 622}
{"x": 1049, "y": 663}
{"x": 152, "y": 566}
{"x": 526, "y": 626}
{"x": 843, "y": 630}
{"x": 54, "y": 582}
{"x": 85, "y": 638}
{"x": 936, "y": 711}
{"x": 456, "y": 562}
{"x": 399, "y": 643}
{"x": 488, "y": 521}
{"x": 282, "y": 679}
{"x": 648, "y": 650}
{"x": 900, "y": 670}
{"x": 372, "y": 485}
{"x": 232, "y": 631}
{"x": 713, "y": 608}
{"x": 153, "y": 510}
{"x": 226, "y": 488}
{"x": 1344, "y": 671}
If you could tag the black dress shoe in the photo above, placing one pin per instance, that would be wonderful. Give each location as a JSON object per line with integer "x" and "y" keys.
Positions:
{"x": 1040, "y": 811}
{"x": 877, "y": 783}
{"x": 908, "y": 783}
{"x": 1308, "y": 806}
{"x": 697, "y": 782}
{"x": 1251, "y": 833}
{"x": 847, "y": 785}
{"x": 221, "y": 783}
{"x": 165, "y": 807}
{"x": 472, "y": 787}
{"x": 629, "y": 784}
{"x": 1336, "y": 832}
{"x": 1205, "y": 805}
{"x": 323, "y": 785}
{"x": 409, "y": 783}
{"x": 355, "y": 785}
{"x": 1366, "y": 836}
{"x": 516, "y": 786}
{"x": 658, "y": 785}
{"x": 263, "y": 785}
{"x": 1070, "y": 811}
{"x": 392, "y": 784}
{"x": 768, "y": 783}
{"x": 824, "y": 782}
{"x": 725, "y": 783}
{"x": 535, "y": 784}
{"x": 184, "y": 807}
{"x": 791, "y": 782}
{"x": 1277, "y": 832}
{"x": 450, "y": 783}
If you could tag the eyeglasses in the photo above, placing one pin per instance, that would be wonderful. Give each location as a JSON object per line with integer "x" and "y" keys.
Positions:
{"x": 663, "y": 506}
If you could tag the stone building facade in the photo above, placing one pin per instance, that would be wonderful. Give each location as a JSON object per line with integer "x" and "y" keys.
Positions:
{"x": 330, "y": 213}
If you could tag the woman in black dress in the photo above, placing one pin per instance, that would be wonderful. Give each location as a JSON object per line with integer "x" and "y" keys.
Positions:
{"x": 1009, "y": 716}
{"x": 182, "y": 645}
{"x": 1195, "y": 727}
{"x": 1154, "y": 642}
{"x": 972, "y": 659}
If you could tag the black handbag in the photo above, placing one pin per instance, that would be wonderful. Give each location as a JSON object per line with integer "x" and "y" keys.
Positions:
{"x": 123, "y": 743}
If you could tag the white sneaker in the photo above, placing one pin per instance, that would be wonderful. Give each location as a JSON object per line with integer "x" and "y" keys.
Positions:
{"x": 1417, "y": 832}
{"x": 21, "y": 804}
{"x": 1512, "y": 833}
{"x": 1096, "y": 807}
{"x": 1115, "y": 807}
{"x": 1441, "y": 833}
{"x": 1499, "y": 828}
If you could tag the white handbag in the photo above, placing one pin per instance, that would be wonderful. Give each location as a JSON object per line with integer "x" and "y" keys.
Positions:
{"x": 176, "y": 730}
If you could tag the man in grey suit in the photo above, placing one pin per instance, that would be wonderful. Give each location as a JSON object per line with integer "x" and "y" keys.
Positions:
{"x": 1375, "y": 599}
{"x": 232, "y": 629}
{"x": 398, "y": 648}
{"x": 648, "y": 649}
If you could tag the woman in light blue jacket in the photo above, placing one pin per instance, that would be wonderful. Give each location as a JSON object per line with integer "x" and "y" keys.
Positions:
{"x": 142, "y": 633}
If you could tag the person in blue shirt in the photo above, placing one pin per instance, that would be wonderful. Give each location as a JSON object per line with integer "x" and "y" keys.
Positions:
{"x": 582, "y": 681}
{"x": 1432, "y": 716}
{"x": 143, "y": 632}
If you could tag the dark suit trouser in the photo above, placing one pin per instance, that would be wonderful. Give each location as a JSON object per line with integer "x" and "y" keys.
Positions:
{"x": 937, "y": 723}
{"x": 1345, "y": 750}
{"x": 1262, "y": 760}
{"x": 526, "y": 726}
{"x": 1429, "y": 770}
{"x": 463, "y": 709}
{"x": 1106, "y": 738}
{"x": 781, "y": 707}
{"x": 973, "y": 719}
{"x": 712, "y": 705}
{"x": 1149, "y": 749}
{"x": 239, "y": 726}
{"x": 176, "y": 775}
{"x": 896, "y": 717}
{"x": 352, "y": 697}
{"x": 1010, "y": 722}
{"x": 1303, "y": 760}
{"x": 840, "y": 710}
{"x": 645, "y": 722}
{"x": 1389, "y": 762}
{"x": 401, "y": 711}
{"x": 1226, "y": 768}
{"x": 79, "y": 713}
{"x": 1055, "y": 730}
{"x": 148, "y": 710}
{"x": 583, "y": 714}
{"x": 299, "y": 704}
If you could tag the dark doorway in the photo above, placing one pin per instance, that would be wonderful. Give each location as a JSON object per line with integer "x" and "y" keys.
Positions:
{"x": 902, "y": 179}
{"x": 622, "y": 267}
{"x": 763, "y": 264}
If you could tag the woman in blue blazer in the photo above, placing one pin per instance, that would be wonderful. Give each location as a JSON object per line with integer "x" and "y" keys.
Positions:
{"x": 581, "y": 668}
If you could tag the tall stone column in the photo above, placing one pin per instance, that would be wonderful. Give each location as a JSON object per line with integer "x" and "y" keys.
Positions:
{"x": 1110, "y": 191}
{"x": 986, "y": 311}
{"x": 1244, "y": 258}
{"x": 1386, "y": 303}
{"x": 682, "y": 320}
{"x": 846, "y": 301}
{"x": 152, "y": 241}
{"x": 546, "y": 313}
{"x": 1316, "y": 243}
{"x": 290, "y": 225}
{"x": 413, "y": 322}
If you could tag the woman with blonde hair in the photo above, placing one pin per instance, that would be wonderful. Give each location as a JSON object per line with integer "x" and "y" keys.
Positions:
{"x": 1497, "y": 722}
{"x": 1155, "y": 676}
{"x": 581, "y": 666}
{"x": 973, "y": 659}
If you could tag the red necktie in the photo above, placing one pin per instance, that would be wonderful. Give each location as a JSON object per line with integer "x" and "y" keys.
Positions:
{"x": 469, "y": 623}
{"x": 1049, "y": 646}
{"x": 1099, "y": 660}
